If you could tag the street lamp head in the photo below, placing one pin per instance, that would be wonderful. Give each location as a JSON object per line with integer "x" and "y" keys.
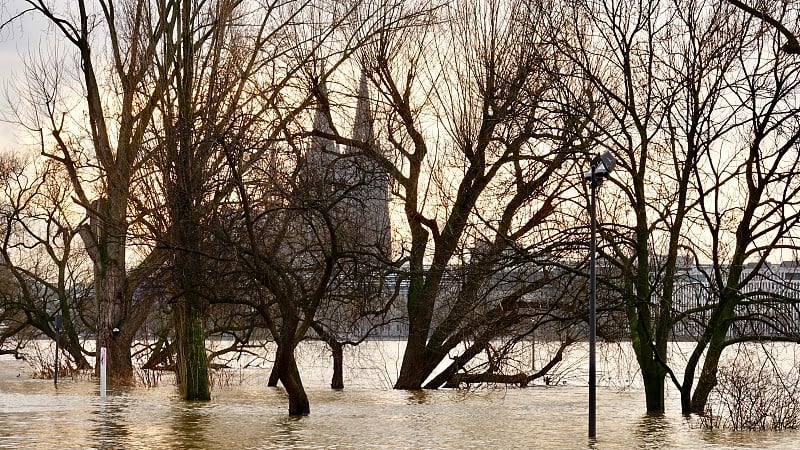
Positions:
{"x": 601, "y": 167}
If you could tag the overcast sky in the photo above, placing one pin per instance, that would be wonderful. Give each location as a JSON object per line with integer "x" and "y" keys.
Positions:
{"x": 17, "y": 40}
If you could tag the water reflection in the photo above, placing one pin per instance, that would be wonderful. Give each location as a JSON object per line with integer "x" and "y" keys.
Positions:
{"x": 418, "y": 397}
{"x": 654, "y": 430}
{"x": 34, "y": 415}
{"x": 110, "y": 424}
{"x": 190, "y": 424}
{"x": 287, "y": 430}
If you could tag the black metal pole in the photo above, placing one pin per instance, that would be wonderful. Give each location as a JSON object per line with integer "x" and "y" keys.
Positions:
{"x": 58, "y": 323}
{"x": 55, "y": 371}
{"x": 593, "y": 306}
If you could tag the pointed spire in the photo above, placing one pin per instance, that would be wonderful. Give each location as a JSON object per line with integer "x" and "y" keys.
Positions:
{"x": 321, "y": 121}
{"x": 362, "y": 125}
{"x": 322, "y": 152}
{"x": 371, "y": 209}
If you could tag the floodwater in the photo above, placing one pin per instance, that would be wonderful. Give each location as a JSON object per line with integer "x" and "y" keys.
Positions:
{"x": 245, "y": 414}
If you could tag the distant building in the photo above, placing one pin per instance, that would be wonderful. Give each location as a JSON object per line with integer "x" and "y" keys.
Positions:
{"x": 368, "y": 206}
{"x": 348, "y": 184}
{"x": 770, "y": 305}
{"x": 351, "y": 180}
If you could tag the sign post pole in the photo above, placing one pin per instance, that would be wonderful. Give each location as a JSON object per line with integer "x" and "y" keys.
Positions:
{"x": 102, "y": 372}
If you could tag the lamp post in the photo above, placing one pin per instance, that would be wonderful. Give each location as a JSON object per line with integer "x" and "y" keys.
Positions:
{"x": 601, "y": 167}
{"x": 58, "y": 325}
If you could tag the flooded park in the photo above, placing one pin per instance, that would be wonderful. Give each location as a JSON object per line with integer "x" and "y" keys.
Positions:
{"x": 209, "y": 199}
{"x": 245, "y": 414}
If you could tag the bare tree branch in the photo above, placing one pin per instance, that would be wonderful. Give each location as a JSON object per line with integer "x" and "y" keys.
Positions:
{"x": 792, "y": 46}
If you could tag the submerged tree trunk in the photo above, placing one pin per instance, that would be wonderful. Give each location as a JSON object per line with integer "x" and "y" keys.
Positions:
{"x": 71, "y": 341}
{"x": 119, "y": 367}
{"x": 412, "y": 371}
{"x": 111, "y": 296}
{"x": 337, "y": 353}
{"x": 707, "y": 380}
{"x": 185, "y": 195}
{"x": 653, "y": 375}
{"x": 286, "y": 367}
{"x": 337, "y": 380}
{"x": 420, "y": 311}
{"x": 274, "y": 375}
{"x": 191, "y": 369}
{"x": 654, "y": 389}
{"x": 708, "y": 375}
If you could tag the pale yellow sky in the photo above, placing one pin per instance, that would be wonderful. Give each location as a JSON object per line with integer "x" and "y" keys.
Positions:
{"x": 17, "y": 41}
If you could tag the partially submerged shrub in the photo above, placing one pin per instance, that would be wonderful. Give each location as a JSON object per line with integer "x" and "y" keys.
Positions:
{"x": 754, "y": 393}
{"x": 40, "y": 355}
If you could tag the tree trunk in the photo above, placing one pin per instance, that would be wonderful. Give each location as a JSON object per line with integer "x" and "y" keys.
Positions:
{"x": 686, "y": 397}
{"x": 69, "y": 338}
{"x": 653, "y": 372}
{"x": 717, "y": 331}
{"x": 73, "y": 348}
{"x": 445, "y": 376}
{"x": 274, "y": 375}
{"x": 162, "y": 355}
{"x": 412, "y": 371}
{"x": 337, "y": 381}
{"x": 112, "y": 334}
{"x": 119, "y": 368}
{"x": 654, "y": 390}
{"x": 185, "y": 194}
{"x": 689, "y": 371}
{"x": 286, "y": 366}
{"x": 708, "y": 376}
{"x": 653, "y": 377}
{"x": 191, "y": 368}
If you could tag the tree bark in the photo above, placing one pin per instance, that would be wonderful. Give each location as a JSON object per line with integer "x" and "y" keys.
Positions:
{"x": 337, "y": 380}
{"x": 708, "y": 375}
{"x": 286, "y": 366}
{"x": 113, "y": 305}
{"x": 654, "y": 389}
{"x": 274, "y": 374}
{"x": 185, "y": 195}
{"x": 191, "y": 369}
{"x": 653, "y": 377}
{"x": 522, "y": 379}
{"x": 412, "y": 370}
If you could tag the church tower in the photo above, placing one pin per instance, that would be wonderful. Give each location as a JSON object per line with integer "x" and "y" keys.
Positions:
{"x": 370, "y": 202}
{"x": 352, "y": 179}
{"x": 318, "y": 175}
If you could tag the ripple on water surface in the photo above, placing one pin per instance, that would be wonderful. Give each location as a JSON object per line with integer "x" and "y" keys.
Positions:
{"x": 34, "y": 414}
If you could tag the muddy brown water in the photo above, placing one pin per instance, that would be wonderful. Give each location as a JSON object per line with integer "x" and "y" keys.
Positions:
{"x": 245, "y": 414}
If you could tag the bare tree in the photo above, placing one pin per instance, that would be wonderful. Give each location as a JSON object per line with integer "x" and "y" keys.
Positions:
{"x": 101, "y": 155}
{"x": 657, "y": 97}
{"x": 755, "y": 199}
{"x": 669, "y": 108}
{"x": 279, "y": 222}
{"x": 482, "y": 187}
{"x": 43, "y": 276}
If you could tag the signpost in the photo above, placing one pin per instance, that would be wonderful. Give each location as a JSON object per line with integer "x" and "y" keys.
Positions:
{"x": 102, "y": 372}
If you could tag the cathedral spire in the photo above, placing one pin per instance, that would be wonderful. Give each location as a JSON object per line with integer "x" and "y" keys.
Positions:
{"x": 321, "y": 152}
{"x": 362, "y": 125}
{"x": 322, "y": 123}
{"x": 370, "y": 207}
